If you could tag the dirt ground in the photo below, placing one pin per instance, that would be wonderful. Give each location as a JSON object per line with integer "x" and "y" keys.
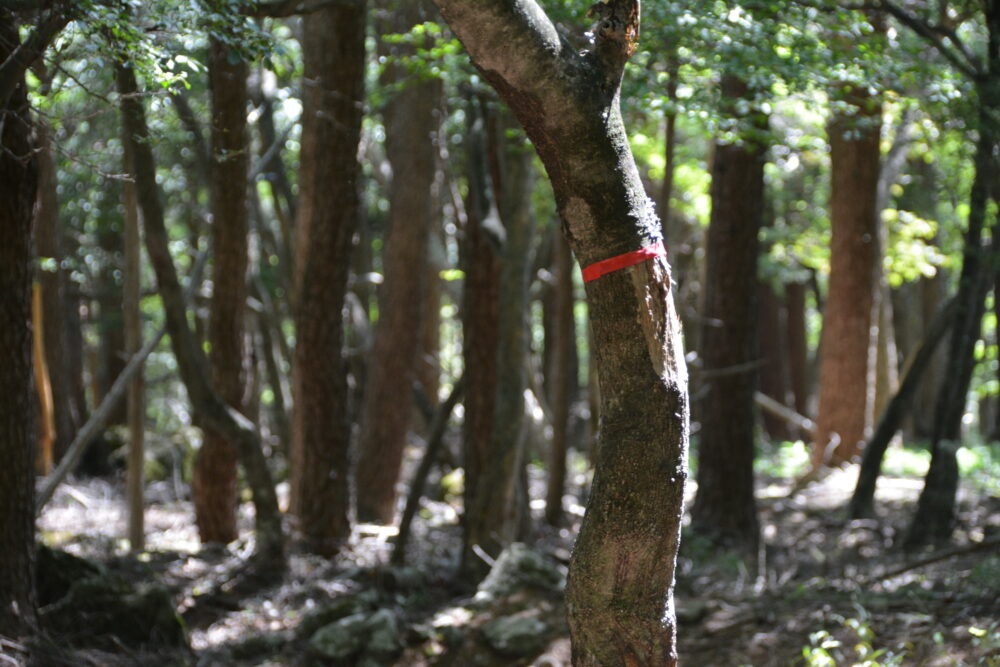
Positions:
{"x": 825, "y": 591}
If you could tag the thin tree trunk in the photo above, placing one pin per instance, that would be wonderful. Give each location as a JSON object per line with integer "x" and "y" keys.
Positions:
{"x": 773, "y": 350}
{"x": 935, "y": 515}
{"x": 135, "y": 401}
{"x": 214, "y": 482}
{"x": 845, "y": 393}
{"x": 410, "y": 125}
{"x": 494, "y": 518}
{"x": 333, "y": 48}
{"x": 209, "y": 410}
{"x": 725, "y": 509}
{"x": 55, "y": 301}
{"x": 17, "y": 407}
{"x": 798, "y": 348}
{"x": 862, "y": 501}
{"x": 480, "y": 300}
{"x": 562, "y": 377}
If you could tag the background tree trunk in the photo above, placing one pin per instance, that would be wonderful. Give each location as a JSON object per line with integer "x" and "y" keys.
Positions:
{"x": 214, "y": 483}
{"x": 562, "y": 376}
{"x": 411, "y": 121}
{"x": 135, "y": 400}
{"x": 56, "y": 304}
{"x": 209, "y": 411}
{"x": 480, "y": 324}
{"x": 17, "y": 407}
{"x": 934, "y": 519}
{"x": 845, "y": 392}
{"x": 334, "y": 53}
{"x": 725, "y": 509}
{"x": 494, "y": 519}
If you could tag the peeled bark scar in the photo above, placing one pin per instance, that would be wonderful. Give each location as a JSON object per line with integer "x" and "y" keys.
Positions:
{"x": 605, "y": 266}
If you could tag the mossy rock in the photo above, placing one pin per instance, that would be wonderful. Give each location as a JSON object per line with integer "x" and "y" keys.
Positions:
{"x": 518, "y": 567}
{"x": 100, "y": 609}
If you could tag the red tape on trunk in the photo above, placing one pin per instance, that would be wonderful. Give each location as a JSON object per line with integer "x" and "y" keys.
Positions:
{"x": 605, "y": 266}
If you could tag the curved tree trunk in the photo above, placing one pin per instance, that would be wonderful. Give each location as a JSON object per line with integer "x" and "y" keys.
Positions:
{"x": 214, "y": 482}
{"x": 410, "y": 124}
{"x": 845, "y": 391}
{"x": 17, "y": 407}
{"x": 334, "y": 53}
{"x": 725, "y": 509}
{"x": 620, "y": 586}
{"x": 209, "y": 410}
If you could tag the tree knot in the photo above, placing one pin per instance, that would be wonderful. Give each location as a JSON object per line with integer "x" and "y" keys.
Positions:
{"x": 617, "y": 22}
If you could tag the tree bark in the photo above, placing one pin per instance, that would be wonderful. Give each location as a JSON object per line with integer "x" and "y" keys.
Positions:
{"x": 135, "y": 401}
{"x": 214, "y": 483}
{"x": 772, "y": 346}
{"x": 845, "y": 392}
{"x": 209, "y": 410}
{"x": 725, "y": 509}
{"x": 334, "y": 54}
{"x": 619, "y": 593}
{"x": 480, "y": 323}
{"x": 18, "y": 179}
{"x": 798, "y": 348}
{"x": 562, "y": 376}
{"x": 411, "y": 121}
{"x": 494, "y": 519}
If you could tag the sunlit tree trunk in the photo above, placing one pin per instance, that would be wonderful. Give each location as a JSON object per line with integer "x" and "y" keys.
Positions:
{"x": 846, "y": 393}
{"x": 620, "y": 587}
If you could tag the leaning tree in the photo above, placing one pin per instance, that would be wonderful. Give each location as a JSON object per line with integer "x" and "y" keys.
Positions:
{"x": 620, "y": 586}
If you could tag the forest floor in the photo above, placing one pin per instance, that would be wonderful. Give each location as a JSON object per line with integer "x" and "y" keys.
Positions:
{"x": 826, "y": 590}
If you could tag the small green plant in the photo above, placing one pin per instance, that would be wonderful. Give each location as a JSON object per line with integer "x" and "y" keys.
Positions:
{"x": 825, "y": 650}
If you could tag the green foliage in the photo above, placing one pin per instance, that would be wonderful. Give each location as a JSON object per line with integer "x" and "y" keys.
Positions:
{"x": 854, "y": 645}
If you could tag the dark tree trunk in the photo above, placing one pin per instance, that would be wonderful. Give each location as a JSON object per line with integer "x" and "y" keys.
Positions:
{"x": 209, "y": 410}
{"x": 620, "y": 588}
{"x": 725, "y": 509}
{"x": 214, "y": 483}
{"x": 135, "y": 401}
{"x": 17, "y": 407}
{"x": 480, "y": 317}
{"x": 772, "y": 345}
{"x": 334, "y": 54}
{"x": 845, "y": 391}
{"x": 935, "y": 515}
{"x": 798, "y": 347}
{"x": 110, "y": 317}
{"x": 862, "y": 501}
{"x": 495, "y": 517}
{"x": 410, "y": 125}
{"x": 562, "y": 376}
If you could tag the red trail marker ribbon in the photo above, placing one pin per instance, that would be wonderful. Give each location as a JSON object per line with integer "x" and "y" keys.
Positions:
{"x": 606, "y": 266}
